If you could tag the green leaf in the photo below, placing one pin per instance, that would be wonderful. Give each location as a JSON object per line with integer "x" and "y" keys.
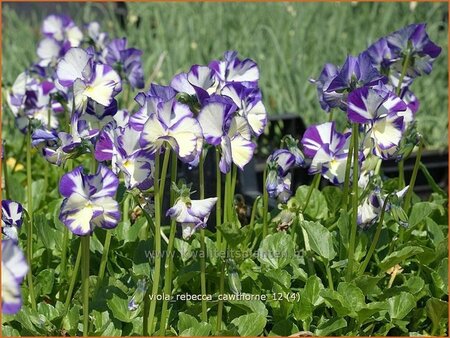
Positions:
{"x": 435, "y": 231}
{"x": 283, "y": 328}
{"x": 401, "y": 305}
{"x": 317, "y": 205}
{"x": 399, "y": 256}
{"x": 127, "y": 232}
{"x": 311, "y": 292}
{"x": 419, "y": 212}
{"x": 336, "y": 301}
{"x": 436, "y": 310}
{"x": 119, "y": 309}
{"x": 251, "y": 324}
{"x": 70, "y": 322}
{"x": 333, "y": 196}
{"x": 44, "y": 281}
{"x": 276, "y": 250}
{"x": 330, "y": 326}
{"x": 320, "y": 239}
{"x": 185, "y": 321}
{"x": 368, "y": 284}
{"x": 48, "y": 311}
{"x": 184, "y": 249}
{"x": 197, "y": 330}
{"x": 353, "y": 295}
{"x": 251, "y": 306}
{"x": 233, "y": 234}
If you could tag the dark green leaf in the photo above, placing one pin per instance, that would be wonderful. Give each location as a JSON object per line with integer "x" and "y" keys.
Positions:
{"x": 250, "y": 325}
{"x": 276, "y": 250}
{"x": 320, "y": 239}
{"x": 399, "y": 256}
{"x": 401, "y": 305}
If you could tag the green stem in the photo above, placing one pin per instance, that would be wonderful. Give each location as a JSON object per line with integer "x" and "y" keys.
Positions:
{"x": 401, "y": 164}
{"x": 30, "y": 220}
{"x": 227, "y": 201}
{"x": 157, "y": 222}
{"x": 202, "y": 240}
{"x": 219, "y": 199}
{"x": 401, "y": 174}
{"x": 265, "y": 204}
{"x": 351, "y": 249}
{"x": 434, "y": 186}
{"x": 73, "y": 279}
{"x": 85, "y": 281}
{"x": 348, "y": 165}
{"x": 5, "y": 173}
{"x": 168, "y": 264}
{"x": 373, "y": 246}
{"x": 413, "y": 177}
{"x": 62, "y": 271}
{"x": 104, "y": 260}
{"x": 231, "y": 210}
{"x": 314, "y": 182}
{"x": 329, "y": 275}
{"x": 221, "y": 291}
{"x": 164, "y": 168}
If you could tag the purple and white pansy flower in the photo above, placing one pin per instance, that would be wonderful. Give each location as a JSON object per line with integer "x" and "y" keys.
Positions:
{"x": 199, "y": 82}
{"x": 126, "y": 61}
{"x": 90, "y": 80}
{"x": 382, "y": 112}
{"x": 30, "y": 98}
{"x": 232, "y": 69}
{"x": 222, "y": 127}
{"x": 278, "y": 181}
{"x": 249, "y": 103}
{"x": 191, "y": 214}
{"x": 12, "y": 219}
{"x": 14, "y": 269}
{"x": 171, "y": 122}
{"x": 328, "y": 149}
{"x": 62, "y": 28}
{"x": 414, "y": 43}
{"x": 89, "y": 200}
{"x": 122, "y": 147}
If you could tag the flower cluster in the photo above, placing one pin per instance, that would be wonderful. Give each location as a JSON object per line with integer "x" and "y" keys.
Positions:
{"x": 373, "y": 89}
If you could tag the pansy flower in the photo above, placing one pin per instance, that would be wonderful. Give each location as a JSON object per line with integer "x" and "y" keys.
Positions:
{"x": 98, "y": 37}
{"x": 327, "y": 99}
{"x": 413, "y": 41}
{"x": 191, "y": 214}
{"x": 328, "y": 149}
{"x": 12, "y": 219}
{"x": 125, "y": 60}
{"x": 381, "y": 111}
{"x": 89, "y": 200}
{"x": 30, "y": 98}
{"x": 221, "y": 127}
{"x": 122, "y": 147}
{"x": 62, "y": 28}
{"x": 278, "y": 181}
{"x": 90, "y": 80}
{"x": 199, "y": 82}
{"x": 356, "y": 72}
{"x": 14, "y": 269}
{"x": 232, "y": 69}
{"x": 172, "y": 122}
{"x": 250, "y": 105}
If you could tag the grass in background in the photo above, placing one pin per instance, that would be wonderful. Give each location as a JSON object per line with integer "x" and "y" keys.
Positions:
{"x": 289, "y": 41}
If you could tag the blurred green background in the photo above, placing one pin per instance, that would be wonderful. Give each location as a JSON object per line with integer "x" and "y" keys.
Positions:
{"x": 289, "y": 41}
